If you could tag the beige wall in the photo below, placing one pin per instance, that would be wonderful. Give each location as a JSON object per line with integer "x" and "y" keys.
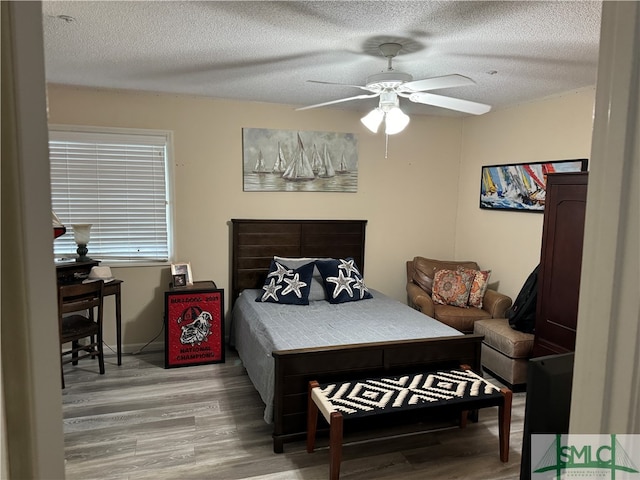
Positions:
{"x": 507, "y": 242}
{"x": 401, "y": 196}
{"x": 422, "y": 200}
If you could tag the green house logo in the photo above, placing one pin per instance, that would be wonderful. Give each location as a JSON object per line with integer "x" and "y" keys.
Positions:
{"x": 571, "y": 456}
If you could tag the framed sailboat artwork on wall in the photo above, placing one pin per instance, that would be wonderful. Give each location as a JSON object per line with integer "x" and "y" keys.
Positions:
{"x": 299, "y": 161}
{"x": 521, "y": 186}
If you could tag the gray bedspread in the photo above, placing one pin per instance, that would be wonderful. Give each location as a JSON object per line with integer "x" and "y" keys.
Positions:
{"x": 257, "y": 329}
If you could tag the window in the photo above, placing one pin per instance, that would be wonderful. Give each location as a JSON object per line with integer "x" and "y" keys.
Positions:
{"x": 115, "y": 180}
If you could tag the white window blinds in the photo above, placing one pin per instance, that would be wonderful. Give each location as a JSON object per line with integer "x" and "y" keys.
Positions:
{"x": 118, "y": 183}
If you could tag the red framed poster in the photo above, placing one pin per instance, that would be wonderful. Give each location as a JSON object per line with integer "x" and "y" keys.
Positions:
{"x": 194, "y": 325}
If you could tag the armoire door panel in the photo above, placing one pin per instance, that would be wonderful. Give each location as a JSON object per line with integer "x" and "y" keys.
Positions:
{"x": 561, "y": 262}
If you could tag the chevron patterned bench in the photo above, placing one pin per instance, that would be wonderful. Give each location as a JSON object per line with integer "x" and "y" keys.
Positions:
{"x": 460, "y": 388}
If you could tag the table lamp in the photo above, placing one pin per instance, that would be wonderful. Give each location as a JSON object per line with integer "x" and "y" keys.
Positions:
{"x": 81, "y": 234}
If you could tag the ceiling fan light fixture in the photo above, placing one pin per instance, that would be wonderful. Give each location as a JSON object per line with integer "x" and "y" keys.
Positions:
{"x": 395, "y": 121}
{"x": 373, "y": 119}
{"x": 388, "y": 100}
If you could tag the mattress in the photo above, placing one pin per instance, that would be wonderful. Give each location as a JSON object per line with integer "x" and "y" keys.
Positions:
{"x": 257, "y": 329}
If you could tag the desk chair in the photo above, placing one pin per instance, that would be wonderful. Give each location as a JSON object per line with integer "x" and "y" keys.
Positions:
{"x": 80, "y": 316}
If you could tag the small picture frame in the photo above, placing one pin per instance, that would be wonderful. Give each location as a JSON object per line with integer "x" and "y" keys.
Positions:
{"x": 180, "y": 280}
{"x": 182, "y": 269}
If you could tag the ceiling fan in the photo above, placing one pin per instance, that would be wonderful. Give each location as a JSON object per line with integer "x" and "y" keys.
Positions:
{"x": 391, "y": 84}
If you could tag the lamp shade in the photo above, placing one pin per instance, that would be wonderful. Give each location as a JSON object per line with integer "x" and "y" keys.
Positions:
{"x": 395, "y": 121}
{"x": 81, "y": 233}
{"x": 373, "y": 119}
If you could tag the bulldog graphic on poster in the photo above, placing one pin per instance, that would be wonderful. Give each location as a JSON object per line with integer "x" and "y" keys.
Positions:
{"x": 197, "y": 331}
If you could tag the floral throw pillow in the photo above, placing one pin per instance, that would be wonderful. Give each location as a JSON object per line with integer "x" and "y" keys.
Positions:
{"x": 342, "y": 280}
{"x": 452, "y": 287}
{"x": 478, "y": 287}
{"x": 287, "y": 286}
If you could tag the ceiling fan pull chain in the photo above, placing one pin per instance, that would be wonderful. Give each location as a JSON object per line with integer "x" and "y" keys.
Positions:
{"x": 386, "y": 145}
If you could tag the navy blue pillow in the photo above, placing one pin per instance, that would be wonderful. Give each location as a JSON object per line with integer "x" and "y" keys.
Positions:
{"x": 342, "y": 280}
{"x": 286, "y": 285}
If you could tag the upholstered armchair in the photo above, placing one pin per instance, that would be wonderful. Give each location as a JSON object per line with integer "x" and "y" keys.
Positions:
{"x": 420, "y": 284}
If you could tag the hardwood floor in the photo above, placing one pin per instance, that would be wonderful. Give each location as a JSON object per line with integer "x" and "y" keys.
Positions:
{"x": 140, "y": 421}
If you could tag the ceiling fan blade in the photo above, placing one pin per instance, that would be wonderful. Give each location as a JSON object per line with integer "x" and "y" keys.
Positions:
{"x": 357, "y": 97}
{"x": 362, "y": 87}
{"x": 451, "y": 103}
{"x": 446, "y": 81}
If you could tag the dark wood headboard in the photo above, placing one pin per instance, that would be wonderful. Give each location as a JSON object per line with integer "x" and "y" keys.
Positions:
{"x": 255, "y": 242}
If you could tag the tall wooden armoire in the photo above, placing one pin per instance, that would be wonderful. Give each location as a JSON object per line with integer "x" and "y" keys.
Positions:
{"x": 560, "y": 264}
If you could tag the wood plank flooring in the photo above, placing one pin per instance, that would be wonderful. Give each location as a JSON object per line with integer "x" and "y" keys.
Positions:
{"x": 140, "y": 421}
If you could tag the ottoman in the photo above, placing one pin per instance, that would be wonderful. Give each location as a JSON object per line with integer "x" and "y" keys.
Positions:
{"x": 505, "y": 351}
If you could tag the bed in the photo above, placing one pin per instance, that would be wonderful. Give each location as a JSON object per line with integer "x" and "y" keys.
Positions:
{"x": 281, "y": 360}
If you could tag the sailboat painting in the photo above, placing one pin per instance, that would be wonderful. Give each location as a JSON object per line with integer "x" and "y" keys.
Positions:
{"x": 521, "y": 186}
{"x": 299, "y": 161}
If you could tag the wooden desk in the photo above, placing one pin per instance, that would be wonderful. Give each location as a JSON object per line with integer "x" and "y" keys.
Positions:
{"x": 66, "y": 273}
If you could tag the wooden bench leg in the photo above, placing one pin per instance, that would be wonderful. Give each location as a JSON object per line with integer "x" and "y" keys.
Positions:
{"x": 335, "y": 432}
{"x": 312, "y": 418}
{"x": 464, "y": 416}
{"x": 335, "y": 445}
{"x": 504, "y": 421}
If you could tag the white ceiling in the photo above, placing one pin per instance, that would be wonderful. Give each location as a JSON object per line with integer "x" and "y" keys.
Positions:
{"x": 266, "y": 51}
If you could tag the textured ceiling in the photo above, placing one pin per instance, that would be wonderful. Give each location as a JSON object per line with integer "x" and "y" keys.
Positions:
{"x": 266, "y": 51}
